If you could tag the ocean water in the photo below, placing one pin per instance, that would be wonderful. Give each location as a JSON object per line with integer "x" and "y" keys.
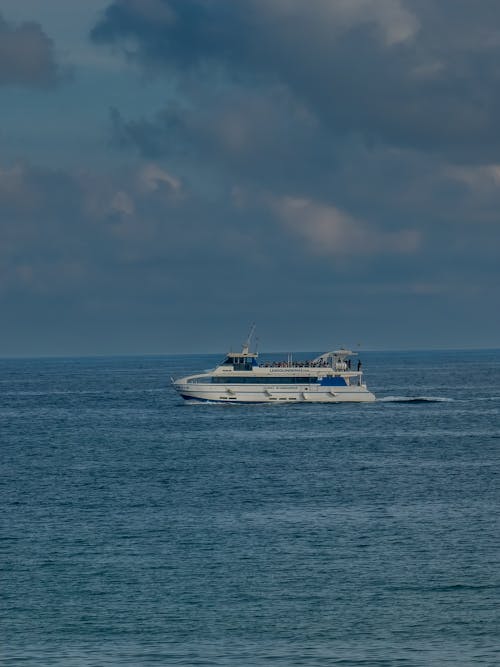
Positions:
{"x": 138, "y": 529}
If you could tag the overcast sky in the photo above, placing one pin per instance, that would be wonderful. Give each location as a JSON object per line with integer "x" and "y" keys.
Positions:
{"x": 173, "y": 170}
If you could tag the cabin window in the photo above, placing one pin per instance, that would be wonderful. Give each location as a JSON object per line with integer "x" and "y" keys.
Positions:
{"x": 242, "y": 364}
{"x": 264, "y": 380}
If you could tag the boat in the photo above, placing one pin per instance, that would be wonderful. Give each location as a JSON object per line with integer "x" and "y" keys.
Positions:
{"x": 240, "y": 378}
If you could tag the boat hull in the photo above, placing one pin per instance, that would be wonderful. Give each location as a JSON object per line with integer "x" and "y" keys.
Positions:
{"x": 269, "y": 394}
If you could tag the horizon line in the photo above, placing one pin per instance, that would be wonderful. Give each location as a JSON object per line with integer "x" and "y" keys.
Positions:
{"x": 100, "y": 355}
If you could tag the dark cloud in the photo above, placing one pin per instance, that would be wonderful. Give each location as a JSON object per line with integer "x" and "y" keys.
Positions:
{"x": 241, "y": 136}
{"x": 27, "y": 55}
{"x": 364, "y": 134}
{"x": 407, "y": 74}
{"x": 318, "y": 166}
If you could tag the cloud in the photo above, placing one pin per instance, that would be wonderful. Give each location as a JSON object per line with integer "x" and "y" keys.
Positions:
{"x": 416, "y": 75}
{"x": 353, "y": 118}
{"x": 64, "y": 232}
{"x": 116, "y": 228}
{"x": 122, "y": 203}
{"x": 27, "y": 55}
{"x": 151, "y": 11}
{"x": 152, "y": 178}
{"x": 235, "y": 137}
{"x": 330, "y": 231}
{"x": 121, "y": 255}
{"x": 205, "y": 24}
{"x": 394, "y": 22}
{"x": 299, "y": 152}
{"x": 476, "y": 177}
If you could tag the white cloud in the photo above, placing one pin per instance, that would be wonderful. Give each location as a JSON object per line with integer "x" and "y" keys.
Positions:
{"x": 482, "y": 177}
{"x": 151, "y": 178}
{"x": 330, "y": 231}
{"x": 395, "y": 23}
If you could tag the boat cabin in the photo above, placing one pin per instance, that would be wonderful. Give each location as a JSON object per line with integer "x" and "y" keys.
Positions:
{"x": 240, "y": 361}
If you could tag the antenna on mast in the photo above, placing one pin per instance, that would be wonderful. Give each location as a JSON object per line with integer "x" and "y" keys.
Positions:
{"x": 246, "y": 345}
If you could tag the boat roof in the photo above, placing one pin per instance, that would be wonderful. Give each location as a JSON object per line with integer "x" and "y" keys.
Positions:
{"x": 338, "y": 354}
{"x": 244, "y": 353}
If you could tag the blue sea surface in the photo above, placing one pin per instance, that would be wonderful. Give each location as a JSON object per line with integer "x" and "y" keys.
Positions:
{"x": 138, "y": 529}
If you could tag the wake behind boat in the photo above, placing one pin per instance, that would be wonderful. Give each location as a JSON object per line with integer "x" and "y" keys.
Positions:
{"x": 240, "y": 378}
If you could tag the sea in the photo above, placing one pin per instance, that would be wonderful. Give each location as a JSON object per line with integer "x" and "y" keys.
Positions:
{"x": 140, "y": 529}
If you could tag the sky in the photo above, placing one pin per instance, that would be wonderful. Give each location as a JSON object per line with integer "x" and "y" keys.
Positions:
{"x": 172, "y": 171}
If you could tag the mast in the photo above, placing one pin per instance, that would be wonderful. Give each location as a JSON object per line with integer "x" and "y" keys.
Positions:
{"x": 246, "y": 344}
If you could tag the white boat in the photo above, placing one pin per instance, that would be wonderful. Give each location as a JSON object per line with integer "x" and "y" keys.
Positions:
{"x": 240, "y": 378}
